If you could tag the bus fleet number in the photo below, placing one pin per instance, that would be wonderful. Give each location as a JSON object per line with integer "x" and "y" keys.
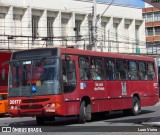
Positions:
{"x": 12, "y": 102}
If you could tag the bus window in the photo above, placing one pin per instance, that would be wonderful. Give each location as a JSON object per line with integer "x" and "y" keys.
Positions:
{"x": 97, "y": 69}
{"x": 121, "y": 70}
{"x": 69, "y": 75}
{"x": 132, "y": 73}
{"x": 84, "y": 68}
{"x": 3, "y": 96}
{"x": 110, "y": 69}
{"x": 151, "y": 73}
{"x": 142, "y": 73}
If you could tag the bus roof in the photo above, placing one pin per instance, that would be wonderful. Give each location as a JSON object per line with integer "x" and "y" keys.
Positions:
{"x": 106, "y": 54}
{"x": 75, "y": 51}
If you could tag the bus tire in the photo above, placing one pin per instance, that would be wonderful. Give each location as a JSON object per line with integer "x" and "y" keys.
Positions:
{"x": 136, "y": 107}
{"x": 82, "y": 114}
{"x": 40, "y": 120}
{"x": 88, "y": 112}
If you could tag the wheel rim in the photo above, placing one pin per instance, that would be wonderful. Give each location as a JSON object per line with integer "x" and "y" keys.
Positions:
{"x": 136, "y": 107}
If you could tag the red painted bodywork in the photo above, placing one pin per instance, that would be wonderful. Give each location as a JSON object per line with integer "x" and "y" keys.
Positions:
{"x": 4, "y": 56}
{"x": 110, "y": 98}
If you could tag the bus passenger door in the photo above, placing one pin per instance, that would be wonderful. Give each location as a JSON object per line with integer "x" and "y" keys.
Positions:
{"x": 117, "y": 84}
{"x": 69, "y": 84}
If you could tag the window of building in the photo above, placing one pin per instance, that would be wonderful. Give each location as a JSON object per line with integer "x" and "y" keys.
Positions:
{"x": 121, "y": 70}
{"x": 115, "y": 36}
{"x": 84, "y": 68}
{"x": 150, "y": 31}
{"x": 2, "y": 28}
{"x": 90, "y": 24}
{"x": 77, "y": 29}
{"x": 144, "y": 16}
{"x": 137, "y": 36}
{"x": 97, "y": 72}
{"x": 103, "y": 25}
{"x": 35, "y": 21}
{"x": 157, "y": 16}
{"x": 17, "y": 20}
{"x": 50, "y": 35}
{"x": 149, "y": 17}
{"x": 64, "y": 30}
{"x": 126, "y": 31}
{"x": 104, "y": 32}
{"x": 157, "y": 30}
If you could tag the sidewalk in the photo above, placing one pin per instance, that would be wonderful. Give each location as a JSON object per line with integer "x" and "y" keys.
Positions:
{"x": 153, "y": 122}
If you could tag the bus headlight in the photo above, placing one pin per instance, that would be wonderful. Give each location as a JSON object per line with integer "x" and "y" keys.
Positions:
{"x": 50, "y": 105}
{"x": 53, "y": 105}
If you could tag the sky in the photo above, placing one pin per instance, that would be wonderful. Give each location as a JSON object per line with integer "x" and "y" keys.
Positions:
{"x": 137, "y": 3}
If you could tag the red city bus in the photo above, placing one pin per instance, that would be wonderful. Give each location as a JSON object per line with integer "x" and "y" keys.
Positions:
{"x": 54, "y": 82}
{"x": 4, "y": 56}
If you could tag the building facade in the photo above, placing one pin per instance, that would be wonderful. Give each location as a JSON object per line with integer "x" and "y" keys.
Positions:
{"x": 152, "y": 26}
{"x": 26, "y": 24}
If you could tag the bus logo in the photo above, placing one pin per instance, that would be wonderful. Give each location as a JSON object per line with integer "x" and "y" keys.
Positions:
{"x": 124, "y": 89}
{"x": 34, "y": 89}
{"x": 6, "y": 129}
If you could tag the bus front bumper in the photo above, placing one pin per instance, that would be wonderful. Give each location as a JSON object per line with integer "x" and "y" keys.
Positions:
{"x": 32, "y": 112}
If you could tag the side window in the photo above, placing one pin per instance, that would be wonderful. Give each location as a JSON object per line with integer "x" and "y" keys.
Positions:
{"x": 142, "y": 73}
{"x": 69, "y": 75}
{"x": 150, "y": 72}
{"x": 121, "y": 70}
{"x": 84, "y": 68}
{"x": 97, "y": 72}
{"x": 3, "y": 97}
{"x": 110, "y": 69}
{"x": 132, "y": 70}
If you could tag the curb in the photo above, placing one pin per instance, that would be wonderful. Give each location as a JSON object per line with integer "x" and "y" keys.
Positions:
{"x": 152, "y": 122}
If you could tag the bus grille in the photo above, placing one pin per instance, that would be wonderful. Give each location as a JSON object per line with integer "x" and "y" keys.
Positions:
{"x": 35, "y": 100}
{"x": 36, "y": 106}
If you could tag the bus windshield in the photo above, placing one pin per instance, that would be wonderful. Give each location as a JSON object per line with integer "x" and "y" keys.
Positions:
{"x": 34, "y": 77}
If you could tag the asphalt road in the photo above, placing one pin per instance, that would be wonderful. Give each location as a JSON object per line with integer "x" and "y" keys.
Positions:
{"x": 114, "y": 123}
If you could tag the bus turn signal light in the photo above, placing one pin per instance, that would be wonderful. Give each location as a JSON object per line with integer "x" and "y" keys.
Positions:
{"x": 58, "y": 104}
{"x": 53, "y": 105}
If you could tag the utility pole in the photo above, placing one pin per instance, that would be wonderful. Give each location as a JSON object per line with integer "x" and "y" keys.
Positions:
{"x": 94, "y": 26}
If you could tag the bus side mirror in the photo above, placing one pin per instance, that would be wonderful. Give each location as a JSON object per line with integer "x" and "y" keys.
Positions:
{"x": 3, "y": 74}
